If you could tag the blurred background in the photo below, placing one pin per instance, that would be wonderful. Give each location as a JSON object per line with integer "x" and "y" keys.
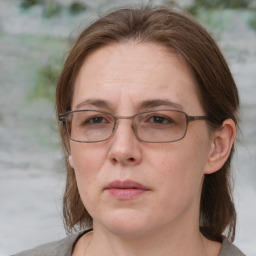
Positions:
{"x": 35, "y": 36}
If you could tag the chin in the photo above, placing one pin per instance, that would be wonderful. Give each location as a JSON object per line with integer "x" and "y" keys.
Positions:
{"x": 126, "y": 223}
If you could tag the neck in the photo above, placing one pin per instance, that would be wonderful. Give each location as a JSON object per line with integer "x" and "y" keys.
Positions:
{"x": 161, "y": 242}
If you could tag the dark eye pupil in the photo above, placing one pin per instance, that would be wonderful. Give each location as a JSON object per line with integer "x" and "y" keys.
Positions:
{"x": 97, "y": 119}
{"x": 158, "y": 119}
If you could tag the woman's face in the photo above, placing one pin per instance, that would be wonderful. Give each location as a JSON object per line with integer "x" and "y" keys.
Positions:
{"x": 131, "y": 187}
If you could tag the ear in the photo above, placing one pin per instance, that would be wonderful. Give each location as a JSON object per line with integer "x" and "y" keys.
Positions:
{"x": 222, "y": 142}
{"x": 70, "y": 159}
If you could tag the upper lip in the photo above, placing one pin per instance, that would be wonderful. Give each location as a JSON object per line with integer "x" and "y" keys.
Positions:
{"x": 126, "y": 184}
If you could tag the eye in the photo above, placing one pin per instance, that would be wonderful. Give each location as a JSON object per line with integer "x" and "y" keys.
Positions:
{"x": 96, "y": 120}
{"x": 91, "y": 120}
{"x": 157, "y": 119}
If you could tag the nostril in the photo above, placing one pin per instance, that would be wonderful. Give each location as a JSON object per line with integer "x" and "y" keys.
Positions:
{"x": 114, "y": 160}
{"x": 128, "y": 160}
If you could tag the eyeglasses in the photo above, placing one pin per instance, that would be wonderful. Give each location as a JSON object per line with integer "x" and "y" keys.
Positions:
{"x": 155, "y": 126}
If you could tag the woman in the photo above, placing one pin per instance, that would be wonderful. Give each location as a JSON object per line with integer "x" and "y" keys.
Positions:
{"x": 148, "y": 113}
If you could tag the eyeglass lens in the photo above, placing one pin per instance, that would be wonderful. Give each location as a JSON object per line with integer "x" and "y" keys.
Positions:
{"x": 151, "y": 126}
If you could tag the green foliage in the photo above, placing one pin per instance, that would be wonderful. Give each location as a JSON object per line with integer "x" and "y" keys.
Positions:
{"x": 214, "y": 20}
{"x": 46, "y": 82}
{"x": 51, "y": 8}
{"x": 252, "y": 21}
{"x": 215, "y": 14}
{"x": 193, "y": 10}
{"x": 77, "y": 7}
{"x": 215, "y": 4}
{"x": 26, "y": 4}
{"x": 42, "y": 63}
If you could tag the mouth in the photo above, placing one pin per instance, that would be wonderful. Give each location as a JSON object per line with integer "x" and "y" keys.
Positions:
{"x": 126, "y": 190}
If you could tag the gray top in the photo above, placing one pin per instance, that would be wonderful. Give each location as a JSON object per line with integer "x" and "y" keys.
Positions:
{"x": 65, "y": 247}
{"x": 229, "y": 249}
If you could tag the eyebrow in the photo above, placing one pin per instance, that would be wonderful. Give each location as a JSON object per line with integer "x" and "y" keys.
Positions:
{"x": 152, "y": 103}
{"x": 160, "y": 102}
{"x": 94, "y": 102}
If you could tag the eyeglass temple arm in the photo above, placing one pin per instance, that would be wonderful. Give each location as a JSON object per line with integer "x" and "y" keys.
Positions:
{"x": 194, "y": 118}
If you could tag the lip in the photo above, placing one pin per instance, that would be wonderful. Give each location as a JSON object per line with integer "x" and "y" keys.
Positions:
{"x": 126, "y": 190}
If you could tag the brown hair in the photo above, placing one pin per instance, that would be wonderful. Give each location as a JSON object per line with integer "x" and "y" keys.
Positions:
{"x": 215, "y": 86}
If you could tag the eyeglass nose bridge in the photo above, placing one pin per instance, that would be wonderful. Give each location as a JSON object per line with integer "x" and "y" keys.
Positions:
{"x": 116, "y": 118}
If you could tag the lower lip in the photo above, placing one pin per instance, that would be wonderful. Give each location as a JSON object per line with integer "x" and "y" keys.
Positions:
{"x": 126, "y": 194}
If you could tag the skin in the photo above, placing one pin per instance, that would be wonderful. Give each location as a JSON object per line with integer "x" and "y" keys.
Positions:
{"x": 165, "y": 219}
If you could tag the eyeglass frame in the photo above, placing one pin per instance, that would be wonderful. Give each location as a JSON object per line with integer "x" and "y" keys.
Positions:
{"x": 62, "y": 119}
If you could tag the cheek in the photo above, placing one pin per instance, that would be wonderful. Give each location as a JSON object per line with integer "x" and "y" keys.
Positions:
{"x": 87, "y": 158}
{"x": 87, "y": 162}
{"x": 179, "y": 166}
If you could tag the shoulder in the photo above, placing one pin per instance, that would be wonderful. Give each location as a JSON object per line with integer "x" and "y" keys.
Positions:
{"x": 62, "y": 247}
{"x": 228, "y": 249}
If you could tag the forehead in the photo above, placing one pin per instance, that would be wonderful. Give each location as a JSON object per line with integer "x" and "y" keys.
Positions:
{"x": 132, "y": 72}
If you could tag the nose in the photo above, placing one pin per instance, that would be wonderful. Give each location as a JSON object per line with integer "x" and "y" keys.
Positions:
{"x": 125, "y": 149}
